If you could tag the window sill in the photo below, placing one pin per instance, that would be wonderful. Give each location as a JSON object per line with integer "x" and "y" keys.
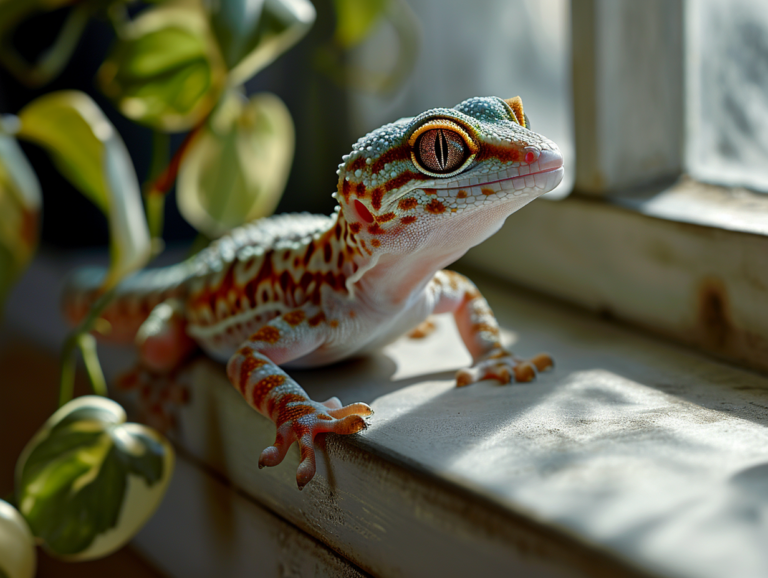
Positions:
{"x": 633, "y": 457}
{"x": 689, "y": 262}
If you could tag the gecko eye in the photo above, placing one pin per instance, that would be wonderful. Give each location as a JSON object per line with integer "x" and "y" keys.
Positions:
{"x": 441, "y": 148}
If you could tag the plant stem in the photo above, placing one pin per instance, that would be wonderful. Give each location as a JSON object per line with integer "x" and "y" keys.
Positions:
{"x": 153, "y": 200}
{"x": 87, "y": 345}
{"x": 163, "y": 183}
{"x": 73, "y": 341}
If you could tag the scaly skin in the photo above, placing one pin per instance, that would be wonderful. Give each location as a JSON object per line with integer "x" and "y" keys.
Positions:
{"x": 304, "y": 290}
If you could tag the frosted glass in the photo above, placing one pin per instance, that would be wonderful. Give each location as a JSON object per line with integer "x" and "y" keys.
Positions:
{"x": 727, "y": 84}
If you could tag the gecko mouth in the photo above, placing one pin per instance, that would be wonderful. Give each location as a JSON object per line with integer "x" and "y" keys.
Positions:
{"x": 545, "y": 173}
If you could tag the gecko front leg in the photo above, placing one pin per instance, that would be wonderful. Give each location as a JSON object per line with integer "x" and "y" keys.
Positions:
{"x": 254, "y": 371}
{"x": 480, "y": 332}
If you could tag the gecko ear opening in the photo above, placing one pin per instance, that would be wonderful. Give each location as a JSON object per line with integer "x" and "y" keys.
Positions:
{"x": 516, "y": 104}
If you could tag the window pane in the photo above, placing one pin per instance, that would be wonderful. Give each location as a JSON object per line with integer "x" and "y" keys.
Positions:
{"x": 727, "y": 48}
{"x": 486, "y": 47}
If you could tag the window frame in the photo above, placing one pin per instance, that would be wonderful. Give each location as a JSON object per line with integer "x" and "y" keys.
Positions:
{"x": 637, "y": 240}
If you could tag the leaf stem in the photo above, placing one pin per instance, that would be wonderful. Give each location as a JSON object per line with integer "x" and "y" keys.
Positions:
{"x": 163, "y": 183}
{"x": 87, "y": 344}
{"x": 155, "y": 203}
{"x": 73, "y": 341}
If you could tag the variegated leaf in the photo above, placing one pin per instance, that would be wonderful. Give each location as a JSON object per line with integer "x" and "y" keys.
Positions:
{"x": 88, "y": 481}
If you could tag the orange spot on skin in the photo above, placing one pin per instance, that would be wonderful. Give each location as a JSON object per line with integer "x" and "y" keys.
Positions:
{"x": 278, "y": 405}
{"x": 385, "y": 218}
{"x": 488, "y": 191}
{"x": 408, "y": 220}
{"x": 346, "y": 189}
{"x": 357, "y": 164}
{"x": 360, "y": 190}
{"x": 516, "y": 104}
{"x": 376, "y": 229}
{"x": 327, "y": 253}
{"x": 462, "y": 195}
{"x": 294, "y": 318}
{"x": 317, "y": 319}
{"x": 478, "y": 327}
{"x": 249, "y": 365}
{"x": 401, "y": 153}
{"x": 352, "y": 314}
{"x": 294, "y": 412}
{"x": 245, "y": 351}
{"x": 268, "y": 334}
{"x": 264, "y": 386}
{"x": 508, "y": 154}
{"x": 334, "y": 323}
{"x": 404, "y": 178}
{"x": 375, "y": 243}
{"x": 430, "y": 191}
{"x": 355, "y": 227}
{"x": 435, "y": 207}
{"x": 408, "y": 203}
{"x": 376, "y": 197}
{"x": 324, "y": 417}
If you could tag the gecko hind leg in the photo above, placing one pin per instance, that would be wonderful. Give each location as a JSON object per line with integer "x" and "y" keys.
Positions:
{"x": 164, "y": 347}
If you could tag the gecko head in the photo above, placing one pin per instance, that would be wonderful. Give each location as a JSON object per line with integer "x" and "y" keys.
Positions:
{"x": 447, "y": 174}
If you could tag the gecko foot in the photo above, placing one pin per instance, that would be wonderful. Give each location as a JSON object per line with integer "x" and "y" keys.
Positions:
{"x": 301, "y": 421}
{"x": 505, "y": 368}
{"x": 158, "y": 397}
{"x": 422, "y": 330}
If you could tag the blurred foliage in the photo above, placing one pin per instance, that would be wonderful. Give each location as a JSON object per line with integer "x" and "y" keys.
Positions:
{"x": 20, "y": 200}
{"x": 17, "y": 545}
{"x": 99, "y": 166}
{"x": 165, "y": 71}
{"x": 245, "y": 148}
{"x": 174, "y": 65}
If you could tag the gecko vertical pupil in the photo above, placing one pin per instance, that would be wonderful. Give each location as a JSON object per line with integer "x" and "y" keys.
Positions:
{"x": 441, "y": 150}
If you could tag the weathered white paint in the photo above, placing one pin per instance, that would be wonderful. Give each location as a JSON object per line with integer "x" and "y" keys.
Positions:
{"x": 203, "y": 529}
{"x": 630, "y": 450}
{"x": 627, "y": 92}
{"x": 705, "y": 286}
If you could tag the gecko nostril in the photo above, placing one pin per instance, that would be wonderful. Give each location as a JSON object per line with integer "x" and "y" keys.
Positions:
{"x": 531, "y": 155}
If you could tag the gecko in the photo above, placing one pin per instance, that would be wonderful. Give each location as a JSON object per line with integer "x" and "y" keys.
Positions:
{"x": 302, "y": 290}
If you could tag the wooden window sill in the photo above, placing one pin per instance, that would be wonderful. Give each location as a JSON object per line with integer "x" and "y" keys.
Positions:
{"x": 633, "y": 457}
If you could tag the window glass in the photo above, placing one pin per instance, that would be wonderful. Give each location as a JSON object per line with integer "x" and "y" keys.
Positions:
{"x": 486, "y": 47}
{"x": 727, "y": 67}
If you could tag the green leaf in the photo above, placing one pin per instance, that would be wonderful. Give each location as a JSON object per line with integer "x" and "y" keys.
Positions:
{"x": 166, "y": 72}
{"x": 253, "y": 33}
{"x": 236, "y": 168}
{"x": 20, "y": 201}
{"x": 87, "y": 150}
{"x": 17, "y": 545}
{"x": 88, "y": 481}
{"x": 355, "y": 19}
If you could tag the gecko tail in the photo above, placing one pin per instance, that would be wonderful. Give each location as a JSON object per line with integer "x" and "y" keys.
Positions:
{"x": 135, "y": 298}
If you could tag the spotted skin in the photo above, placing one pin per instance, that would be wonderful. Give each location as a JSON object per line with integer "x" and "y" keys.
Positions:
{"x": 306, "y": 290}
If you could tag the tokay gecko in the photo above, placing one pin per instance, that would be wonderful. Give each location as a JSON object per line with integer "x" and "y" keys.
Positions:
{"x": 303, "y": 290}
